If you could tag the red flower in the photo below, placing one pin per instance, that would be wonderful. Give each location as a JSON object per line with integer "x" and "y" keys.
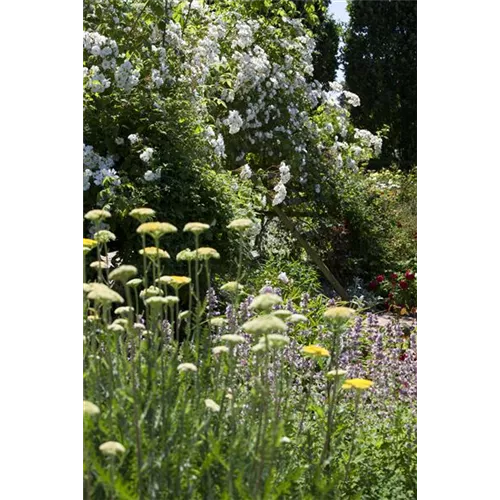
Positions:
{"x": 380, "y": 278}
{"x": 394, "y": 276}
{"x": 372, "y": 285}
{"x": 409, "y": 275}
{"x": 403, "y": 284}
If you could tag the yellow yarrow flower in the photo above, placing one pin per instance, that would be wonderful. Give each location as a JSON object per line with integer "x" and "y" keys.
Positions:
{"x": 88, "y": 243}
{"x": 316, "y": 351}
{"x": 156, "y": 229}
{"x": 174, "y": 281}
{"x": 142, "y": 214}
{"x": 196, "y": 227}
{"x": 206, "y": 253}
{"x": 339, "y": 313}
{"x": 240, "y": 224}
{"x": 154, "y": 253}
{"x": 357, "y": 383}
{"x": 97, "y": 214}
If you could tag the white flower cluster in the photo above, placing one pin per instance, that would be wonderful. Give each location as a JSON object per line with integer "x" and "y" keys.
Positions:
{"x": 173, "y": 35}
{"x": 280, "y": 188}
{"x": 100, "y": 46}
{"x": 368, "y": 139}
{"x": 284, "y": 172}
{"x": 97, "y": 168}
{"x": 217, "y": 142}
{"x": 133, "y": 138}
{"x": 146, "y": 155}
{"x": 201, "y": 56}
{"x": 126, "y": 76}
{"x": 246, "y": 172}
{"x": 160, "y": 75}
{"x": 234, "y": 122}
{"x": 253, "y": 68}
{"x": 95, "y": 80}
{"x": 151, "y": 176}
{"x": 244, "y": 34}
{"x": 352, "y": 99}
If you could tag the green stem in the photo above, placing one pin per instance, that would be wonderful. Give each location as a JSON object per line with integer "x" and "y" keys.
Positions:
{"x": 144, "y": 260}
{"x": 198, "y": 299}
{"x": 135, "y": 398}
{"x": 100, "y": 277}
{"x": 353, "y": 442}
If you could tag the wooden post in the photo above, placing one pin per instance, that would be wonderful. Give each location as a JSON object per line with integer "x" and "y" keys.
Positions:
{"x": 288, "y": 223}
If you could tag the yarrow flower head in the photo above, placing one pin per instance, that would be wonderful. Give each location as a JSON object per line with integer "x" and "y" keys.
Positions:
{"x": 274, "y": 340}
{"x": 156, "y": 229}
{"x": 88, "y": 243}
{"x": 187, "y": 367}
{"x": 142, "y": 214}
{"x": 231, "y": 287}
{"x": 116, "y": 327}
{"x": 265, "y": 302}
{"x": 207, "y": 253}
{"x": 212, "y": 405}
{"x": 102, "y": 293}
{"x": 122, "y": 321}
{"x": 240, "y": 224}
{"x": 283, "y": 314}
{"x": 156, "y": 302}
{"x": 336, "y": 373}
{"x": 104, "y": 236}
{"x": 196, "y": 227}
{"x": 357, "y": 383}
{"x": 298, "y": 318}
{"x": 315, "y": 351}
{"x": 97, "y": 215}
{"x": 339, "y": 314}
{"x": 233, "y": 338}
{"x": 218, "y": 322}
{"x": 90, "y": 408}
{"x": 123, "y": 310}
{"x": 220, "y": 349}
{"x": 186, "y": 255}
{"x": 174, "y": 281}
{"x": 151, "y": 291}
{"x": 112, "y": 448}
{"x": 123, "y": 273}
{"x": 264, "y": 325}
{"x": 134, "y": 283}
{"x": 154, "y": 253}
{"x": 99, "y": 264}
